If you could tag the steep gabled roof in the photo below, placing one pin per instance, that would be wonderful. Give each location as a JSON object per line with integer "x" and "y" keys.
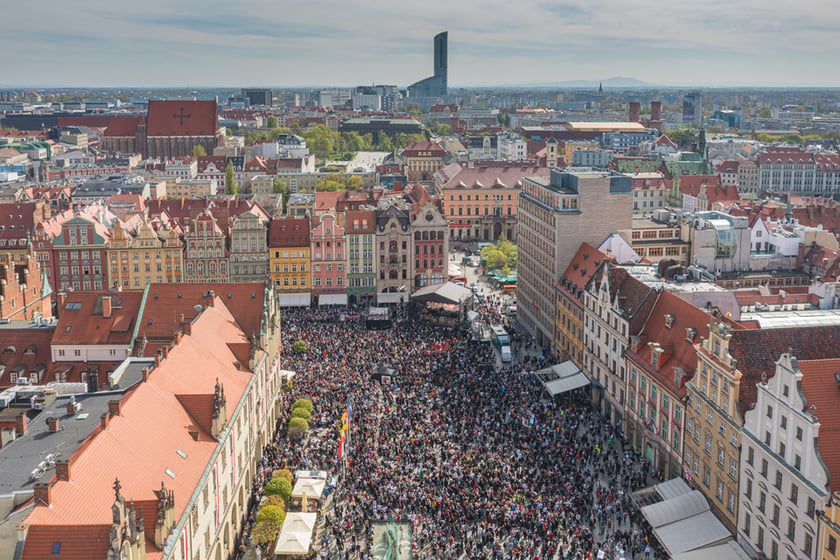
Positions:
{"x": 289, "y": 232}
{"x": 141, "y": 443}
{"x": 820, "y": 388}
{"x": 582, "y": 267}
{"x": 666, "y": 327}
{"x": 164, "y": 118}
{"x": 757, "y": 350}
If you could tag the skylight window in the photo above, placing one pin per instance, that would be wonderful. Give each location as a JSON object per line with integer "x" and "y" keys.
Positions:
{"x": 181, "y": 452}
{"x": 169, "y": 472}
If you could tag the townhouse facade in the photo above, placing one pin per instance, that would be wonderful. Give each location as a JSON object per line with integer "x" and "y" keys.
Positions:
{"x": 289, "y": 254}
{"x": 430, "y": 247}
{"x": 393, "y": 253}
{"x": 249, "y": 246}
{"x": 327, "y": 250}
{"x": 661, "y": 358}
{"x": 785, "y": 459}
{"x": 79, "y": 253}
{"x": 206, "y": 254}
{"x": 360, "y": 226}
{"x": 615, "y": 304}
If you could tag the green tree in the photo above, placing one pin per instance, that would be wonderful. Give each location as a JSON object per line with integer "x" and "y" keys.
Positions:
{"x": 765, "y": 113}
{"x": 279, "y": 186}
{"x": 331, "y": 183}
{"x": 272, "y": 513}
{"x": 271, "y": 121}
{"x": 279, "y": 487}
{"x": 228, "y": 131}
{"x": 441, "y": 129}
{"x": 384, "y": 143}
{"x": 231, "y": 187}
{"x": 282, "y": 473}
{"x": 276, "y": 501}
{"x": 198, "y": 151}
{"x": 303, "y": 403}
{"x": 265, "y": 531}
{"x": 299, "y": 346}
{"x": 302, "y": 413}
{"x": 354, "y": 183}
{"x": 298, "y": 423}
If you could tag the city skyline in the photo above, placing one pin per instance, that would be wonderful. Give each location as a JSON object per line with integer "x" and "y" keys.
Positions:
{"x": 157, "y": 44}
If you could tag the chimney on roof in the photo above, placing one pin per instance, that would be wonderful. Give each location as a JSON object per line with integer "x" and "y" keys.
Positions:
{"x": 43, "y": 493}
{"x": 187, "y": 329}
{"x": 62, "y": 469}
{"x": 106, "y": 307}
{"x": 145, "y": 374}
{"x": 104, "y": 419}
{"x": 21, "y": 424}
{"x": 114, "y": 408}
{"x": 53, "y": 424}
{"x": 62, "y": 297}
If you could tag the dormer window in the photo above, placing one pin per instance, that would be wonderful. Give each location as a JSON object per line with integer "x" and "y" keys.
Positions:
{"x": 690, "y": 334}
{"x": 654, "y": 359}
{"x": 669, "y": 321}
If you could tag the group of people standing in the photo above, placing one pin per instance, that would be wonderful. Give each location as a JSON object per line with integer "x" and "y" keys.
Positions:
{"x": 477, "y": 460}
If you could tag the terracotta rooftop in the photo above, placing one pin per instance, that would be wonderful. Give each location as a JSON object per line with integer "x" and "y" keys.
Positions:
{"x": 431, "y": 148}
{"x": 83, "y": 318}
{"x": 821, "y": 390}
{"x": 509, "y": 176}
{"x": 124, "y": 126}
{"x": 583, "y": 265}
{"x": 140, "y": 444}
{"x": 757, "y": 351}
{"x": 666, "y": 326}
{"x": 25, "y": 352}
{"x": 181, "y": 118}
{"x": 166, "y": 302}
{"x": 360, "y": 222}
{"x": 289, "y": 232}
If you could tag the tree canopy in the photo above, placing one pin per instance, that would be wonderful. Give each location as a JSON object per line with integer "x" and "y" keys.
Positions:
{"x": 500, "y": 255}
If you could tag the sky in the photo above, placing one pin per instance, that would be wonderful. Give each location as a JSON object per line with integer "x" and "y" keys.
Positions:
{"x": 189, "y": 43}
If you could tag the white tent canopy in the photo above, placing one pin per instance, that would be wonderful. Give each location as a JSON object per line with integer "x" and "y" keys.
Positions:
{"x": 295, "y": 536}
{"x": 676, "y": 509}
{"x": 391, "y": 297}
{"x": 312, "y": 487}
{"x": 332, "y": 299}
{"x": 294, "y": 300}
{"x": 563, "y": 377}
{"x": 682, "y": 520}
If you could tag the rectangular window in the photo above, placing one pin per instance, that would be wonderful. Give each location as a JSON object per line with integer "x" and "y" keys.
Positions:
{"x": 811, "y": 510}
{"x": 799, "y": 433}
{"x": 778, "y": 483}
{"x": 750, "y": 455}
{"x": 794, "y": 493}
{"x": 747, "y": 520}
{"x": 769, "y": 411}
{"x": 808, "y": 545}
{"x": 764, "y": 468}
{"x": 748, "y": 489}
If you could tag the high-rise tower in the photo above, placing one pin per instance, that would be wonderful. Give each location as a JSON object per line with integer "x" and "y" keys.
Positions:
{"x": 436, "y": 85}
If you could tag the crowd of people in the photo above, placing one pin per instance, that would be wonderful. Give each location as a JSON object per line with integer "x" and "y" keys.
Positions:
{"x": 477, "y": 459}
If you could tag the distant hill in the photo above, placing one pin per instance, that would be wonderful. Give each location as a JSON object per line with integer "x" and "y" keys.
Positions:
{"x": 616, "y": 82}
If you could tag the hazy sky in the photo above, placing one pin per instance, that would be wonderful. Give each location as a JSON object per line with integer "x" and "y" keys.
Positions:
{"x": 318, "y": 42}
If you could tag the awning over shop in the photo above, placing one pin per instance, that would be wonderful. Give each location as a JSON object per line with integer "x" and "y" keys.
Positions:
{"x": 448, "y": 292}
{"x": 730, "y": 550}
{"x": 332, "y": 299}
{"x": 561, "y": 378}
{"x": 294, "y": 300}
{"x": 681, "y": 518}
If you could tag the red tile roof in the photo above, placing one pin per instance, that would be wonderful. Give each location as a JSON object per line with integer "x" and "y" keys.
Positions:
{"x": 788, "y": 156}
{"x": 141, "y": 442}
{"x": 199, "y": 118}
{"x": 509, "y": 176}
{"x": 360, "y": 222}
{"x": 583, "y": 265}
{"x": 820, "y": 389}
{"x": 678, "y": 350}
{"x": 326, "y": 200}
{"x": 757, "y": 350}
{"x": 166, "y": 302}
{"x": 88, "y": 326}
{"x": 25, "y": 352}
{"x": 124, "y": 126}
{"x": 728, "y": 166}
{"x": 41, "y": 538}
{"x": 427, "y": 148}
{"x": 289, "y": 232}
{"x": 690, "y": 184}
